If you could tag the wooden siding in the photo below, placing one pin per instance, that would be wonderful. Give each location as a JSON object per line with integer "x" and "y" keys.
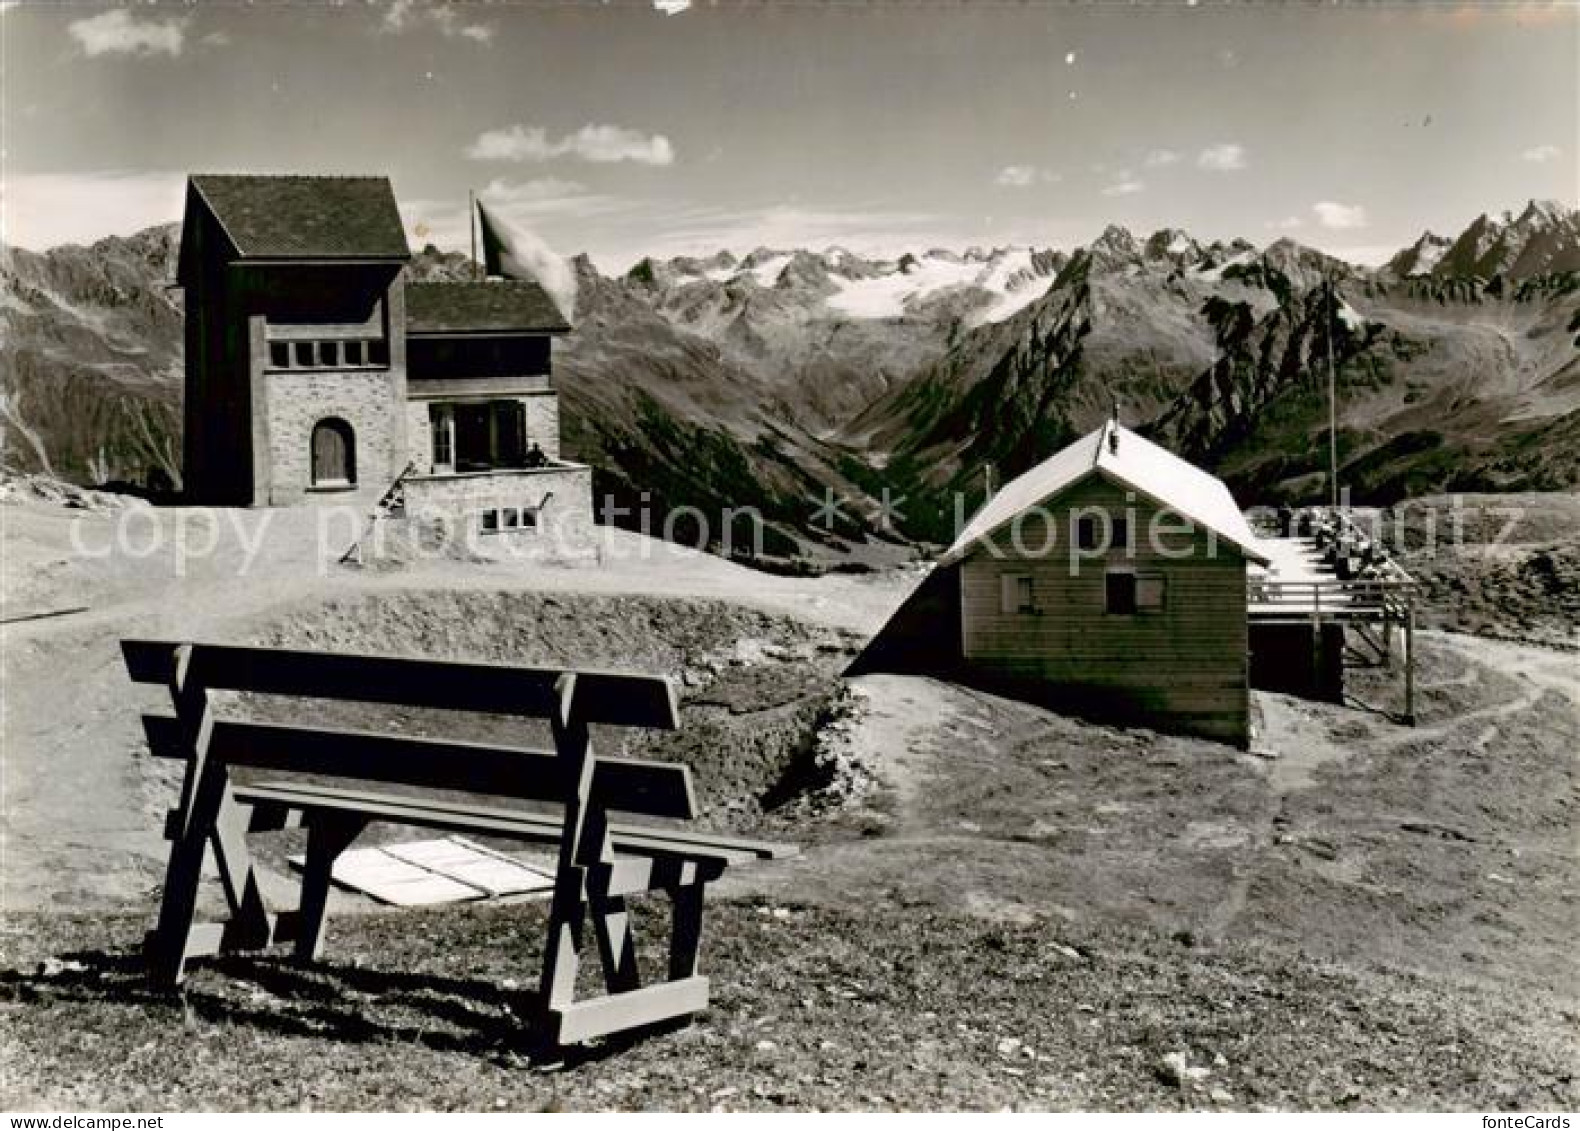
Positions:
{"x": 1182, "y": 667}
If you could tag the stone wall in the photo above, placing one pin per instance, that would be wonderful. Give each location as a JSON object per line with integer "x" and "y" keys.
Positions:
{"x": 365, "y": 399}
{"x": 562, "y": 495}
{"x": 543, "y": 422}
{"x": 419, "y": 437}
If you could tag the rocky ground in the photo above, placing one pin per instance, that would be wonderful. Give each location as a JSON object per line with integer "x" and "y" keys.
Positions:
{"x": 996, "y": 906}
{"x": 814, "y": 1008}
{"x": 1506, "y": 566}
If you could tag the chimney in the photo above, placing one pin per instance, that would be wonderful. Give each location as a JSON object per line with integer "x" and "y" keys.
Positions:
{"x": 1113, "y": 430}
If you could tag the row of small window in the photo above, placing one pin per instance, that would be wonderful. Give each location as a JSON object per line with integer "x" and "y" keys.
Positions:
{"x": 503, "y": 520}
{"x": 335, "y": 354}
{"x": 1125, "y": 593}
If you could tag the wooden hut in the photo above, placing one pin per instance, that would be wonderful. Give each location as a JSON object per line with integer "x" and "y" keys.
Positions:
{"x": 1110, "y": 580}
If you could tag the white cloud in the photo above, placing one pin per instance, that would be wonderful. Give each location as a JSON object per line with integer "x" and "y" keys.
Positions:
{"x": 1331, "y": 214}
{"x": 597, "y": 143}
{"x": 1158, "y": 158}
{"x": 1126, "y": 185}
{"x": 1225, "y": 158}
{"x": 1541, "y": 153}
{"x": 405, "y": 15}
{"x": 43, "y": 210}
{"x": 1287, "y": 224}
{"x": 118, "y": 32}
{"x": 671, "y": 7}
{"x": 1023, "y": 176}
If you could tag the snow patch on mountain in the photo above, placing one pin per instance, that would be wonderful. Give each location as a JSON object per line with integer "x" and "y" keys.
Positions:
{"x": 1215, "y": 274}
{"x": 1009, "y": 275}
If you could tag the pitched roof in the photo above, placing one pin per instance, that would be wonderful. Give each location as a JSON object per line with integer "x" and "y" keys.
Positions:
{"x": 299, "y": 217}
{"x": 1137, "y": 463}
{"x": 504, "y": 306}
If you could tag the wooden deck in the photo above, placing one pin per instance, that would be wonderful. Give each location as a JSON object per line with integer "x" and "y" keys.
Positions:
{"x": 1298, "y": 585}
{"x": 1301, "y": 586}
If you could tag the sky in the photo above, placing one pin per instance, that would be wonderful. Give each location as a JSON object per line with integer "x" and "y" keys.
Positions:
{"x": 628, "y": 129}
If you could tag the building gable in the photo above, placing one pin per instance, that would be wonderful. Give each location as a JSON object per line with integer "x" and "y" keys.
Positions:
{"x": 303, "y": 217}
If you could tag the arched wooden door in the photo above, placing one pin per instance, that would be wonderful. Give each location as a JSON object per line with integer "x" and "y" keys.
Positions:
{"x": 334, "y": 453}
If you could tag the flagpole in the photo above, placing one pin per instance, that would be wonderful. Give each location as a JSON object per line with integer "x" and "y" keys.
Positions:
{"x": 1333, "y": 401}
{"x": 471, "y": 226}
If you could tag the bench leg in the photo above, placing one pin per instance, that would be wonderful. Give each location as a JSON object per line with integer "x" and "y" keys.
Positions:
{"x": 327, "y": 838}
{"x": 617, "y": 949}
{"x": 685, "y": 941}
{"x": 252, "y": 924}
{"x": 562, "y": 951}
{"x": 170, "y": 944}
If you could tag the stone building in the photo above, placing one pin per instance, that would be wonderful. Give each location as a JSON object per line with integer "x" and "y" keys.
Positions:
{"x": 315, "y": 372}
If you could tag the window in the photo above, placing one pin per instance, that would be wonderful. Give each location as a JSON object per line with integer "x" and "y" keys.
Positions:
{"x": 334, "y": 454}
{"x": 1149, "y": 593}
{"x": 1091, "y": 528}
{"x": 1015, "y": 594}
{"x": 502, "y": 520}
{"x": 1120, "y": 592}
{"x": 332, "y": 353}
{"x": 489, "y": 434}
{"x": 441, "y": 420}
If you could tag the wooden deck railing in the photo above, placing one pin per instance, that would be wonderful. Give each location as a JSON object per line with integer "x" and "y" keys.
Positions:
{"x": 1376, "y": 598}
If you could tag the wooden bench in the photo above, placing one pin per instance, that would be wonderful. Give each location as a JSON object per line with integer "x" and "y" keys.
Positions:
{"x": 601, "y": 861}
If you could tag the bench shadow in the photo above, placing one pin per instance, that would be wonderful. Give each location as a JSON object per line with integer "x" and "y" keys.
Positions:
{"x": 323, "y": 1000}
{"x": 1398, "y": 718}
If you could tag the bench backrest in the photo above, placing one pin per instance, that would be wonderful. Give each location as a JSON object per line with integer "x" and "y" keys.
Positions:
{"x": 571, "y": 700}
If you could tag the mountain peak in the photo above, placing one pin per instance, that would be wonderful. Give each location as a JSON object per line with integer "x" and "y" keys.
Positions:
{"x": 1545, "y": 212}
{"x": 1173, "y": 244}
{"x": 1420, "y": 257}
{"x": 1543, "y": 239}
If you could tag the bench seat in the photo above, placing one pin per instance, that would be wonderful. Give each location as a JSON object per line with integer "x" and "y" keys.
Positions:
{"x": 273, "y": 800}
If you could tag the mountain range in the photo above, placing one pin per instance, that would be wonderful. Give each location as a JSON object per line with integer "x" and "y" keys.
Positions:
{"x": 771, "y": 379}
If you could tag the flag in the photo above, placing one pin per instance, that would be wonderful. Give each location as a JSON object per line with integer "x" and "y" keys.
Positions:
{"x": 515, "y": 253}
